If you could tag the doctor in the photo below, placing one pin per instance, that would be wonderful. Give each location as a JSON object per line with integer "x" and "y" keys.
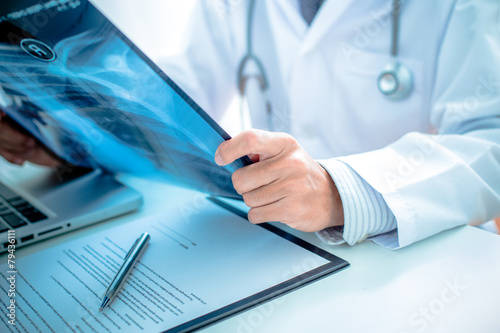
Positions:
{"x": 392, "y": 111}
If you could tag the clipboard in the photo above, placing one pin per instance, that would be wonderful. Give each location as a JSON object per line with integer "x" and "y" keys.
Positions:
{"x": 201, "y": 266}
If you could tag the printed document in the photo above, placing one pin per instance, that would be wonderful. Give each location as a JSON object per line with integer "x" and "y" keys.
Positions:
{"x": 193, "y": 266}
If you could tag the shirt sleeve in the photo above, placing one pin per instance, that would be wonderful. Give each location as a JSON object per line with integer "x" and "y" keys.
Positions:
{"x": 365, "y": 212}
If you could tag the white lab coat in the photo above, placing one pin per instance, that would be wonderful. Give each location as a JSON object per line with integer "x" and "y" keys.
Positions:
{"x": 434, "y": 156}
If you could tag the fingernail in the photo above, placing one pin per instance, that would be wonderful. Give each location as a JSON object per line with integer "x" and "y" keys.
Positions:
{"x": 218, "y": 159}
{"x": 18, "y": 161}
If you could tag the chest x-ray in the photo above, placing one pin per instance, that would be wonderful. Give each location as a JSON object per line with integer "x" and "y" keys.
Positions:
{"x": 85, "y": 91}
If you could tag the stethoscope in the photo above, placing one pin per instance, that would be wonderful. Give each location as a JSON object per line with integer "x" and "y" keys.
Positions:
{"x": 395, "y": 81}
{"x": 261, "y": 76}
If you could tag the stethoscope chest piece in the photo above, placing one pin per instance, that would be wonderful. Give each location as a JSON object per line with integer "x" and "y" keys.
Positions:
{"x": 395, "y": 81}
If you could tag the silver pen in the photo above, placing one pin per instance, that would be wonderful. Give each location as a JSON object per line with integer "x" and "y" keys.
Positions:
{"x": 131, "y": 258}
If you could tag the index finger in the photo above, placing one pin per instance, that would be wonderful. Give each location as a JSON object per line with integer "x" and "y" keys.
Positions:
{"x": 262, "y": 143}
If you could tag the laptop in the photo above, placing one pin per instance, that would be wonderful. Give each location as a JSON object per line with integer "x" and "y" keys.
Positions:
{"x": 70, "y": 78}
{"x": 53, "y": 201}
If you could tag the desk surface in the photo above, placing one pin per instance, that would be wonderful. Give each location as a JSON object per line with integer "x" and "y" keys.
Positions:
{"x": 447, "y": 283}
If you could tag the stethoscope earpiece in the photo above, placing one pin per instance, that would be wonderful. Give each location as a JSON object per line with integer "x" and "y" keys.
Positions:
{"x": 395, "y": 81}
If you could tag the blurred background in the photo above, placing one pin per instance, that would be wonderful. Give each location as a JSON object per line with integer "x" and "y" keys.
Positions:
{"x": 162, "y": 33}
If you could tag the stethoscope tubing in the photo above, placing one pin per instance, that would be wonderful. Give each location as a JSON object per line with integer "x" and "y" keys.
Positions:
{"x": 394, "y": 82}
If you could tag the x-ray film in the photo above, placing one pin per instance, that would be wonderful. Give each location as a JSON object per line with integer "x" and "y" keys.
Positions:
{"x": 75, "y": 82}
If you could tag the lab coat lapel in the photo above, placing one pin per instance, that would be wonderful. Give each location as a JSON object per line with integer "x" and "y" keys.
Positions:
{"x": 327, "y": 16}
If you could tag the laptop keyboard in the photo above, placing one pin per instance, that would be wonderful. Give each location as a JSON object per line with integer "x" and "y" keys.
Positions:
{"x": 15, "y": 211}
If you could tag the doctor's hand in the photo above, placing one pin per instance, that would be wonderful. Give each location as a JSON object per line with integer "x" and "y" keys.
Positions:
{"x": 284, "y": 184}
{"x": 18, "y": 147}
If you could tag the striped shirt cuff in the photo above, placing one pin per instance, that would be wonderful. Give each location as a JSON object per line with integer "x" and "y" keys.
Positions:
{"x": 365, "y": 212}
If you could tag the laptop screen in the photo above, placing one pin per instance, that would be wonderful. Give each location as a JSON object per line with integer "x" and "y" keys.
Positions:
{"x": 75, "y": 82}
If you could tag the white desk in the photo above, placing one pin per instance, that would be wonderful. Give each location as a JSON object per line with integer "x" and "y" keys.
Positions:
{"x": 448, "y": 283}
